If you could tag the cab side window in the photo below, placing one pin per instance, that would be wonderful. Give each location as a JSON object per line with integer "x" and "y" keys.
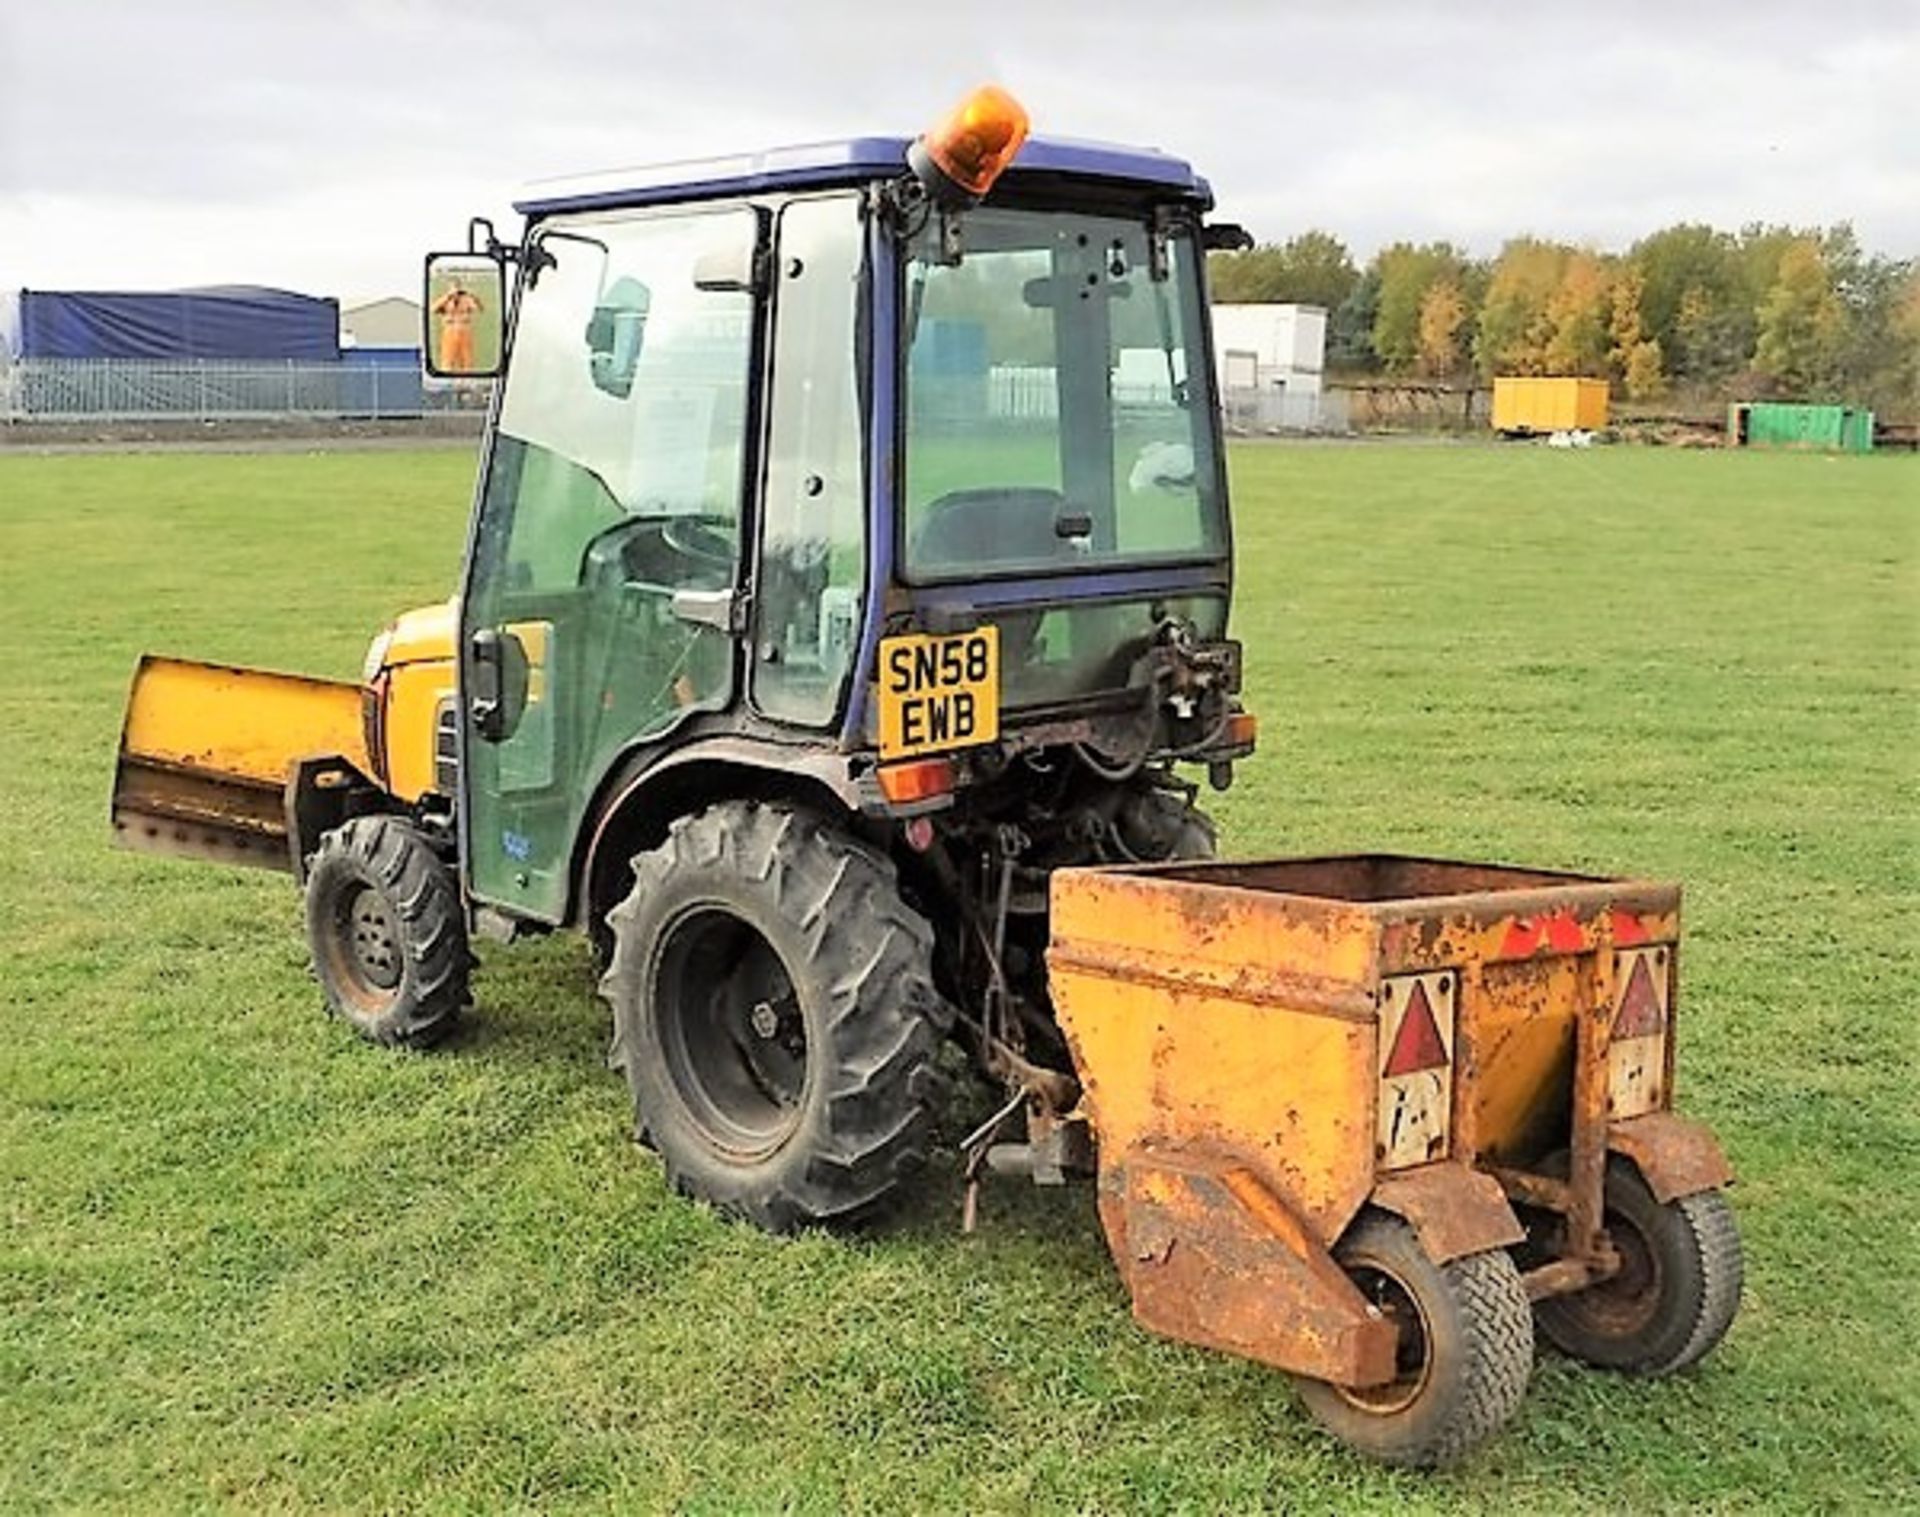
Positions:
{"x": 811, "y": 566}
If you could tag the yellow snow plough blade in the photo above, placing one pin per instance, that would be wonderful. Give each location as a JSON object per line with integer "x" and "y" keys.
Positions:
{"x": 208, "y": 750}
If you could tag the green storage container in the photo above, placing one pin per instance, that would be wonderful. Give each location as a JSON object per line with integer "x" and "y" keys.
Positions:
{"x": 1769, "y": 424}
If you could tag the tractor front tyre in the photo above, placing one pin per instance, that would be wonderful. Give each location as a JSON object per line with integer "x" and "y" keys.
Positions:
{"x": 388, "y": 937}
{"x": 1675, "y": 1294}
{"x": 775, "y": 1015}
{"x": 1464, "y": 1355}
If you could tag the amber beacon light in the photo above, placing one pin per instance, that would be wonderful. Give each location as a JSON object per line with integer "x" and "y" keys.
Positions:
{"x": 961, "y": 157}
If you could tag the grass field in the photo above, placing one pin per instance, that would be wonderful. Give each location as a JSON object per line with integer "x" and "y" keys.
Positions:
{"x": 248, "y": 1262}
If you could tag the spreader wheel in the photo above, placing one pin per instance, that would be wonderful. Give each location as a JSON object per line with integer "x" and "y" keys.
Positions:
{"x": 1675, "y": 1294}
{"x": 1465, "y": 1349}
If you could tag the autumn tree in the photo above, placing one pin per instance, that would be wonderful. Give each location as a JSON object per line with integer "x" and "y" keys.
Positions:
{"x": 1443, "y": 320}
{"x": 1514, "y": 327}
{"x": 1634, "y": 358}
{"x": 1803, "y": 325}
{"x": 1577, "y": 314}
{"x": 1624, "y": 327}
{"x": 1407, "y": 271}
{"x": 1802, "y": 310}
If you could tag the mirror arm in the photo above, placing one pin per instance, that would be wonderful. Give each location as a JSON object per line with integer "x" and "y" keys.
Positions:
{"x": 483, "y": 243}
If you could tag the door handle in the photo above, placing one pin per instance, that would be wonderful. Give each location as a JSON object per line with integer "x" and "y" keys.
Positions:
{"x": 484, "y": 707}
{"x": 723, "y": 610}
{"x": 496, "y": 683}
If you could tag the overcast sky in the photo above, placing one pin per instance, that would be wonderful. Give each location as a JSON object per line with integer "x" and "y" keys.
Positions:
{"x": 324, "y": 147}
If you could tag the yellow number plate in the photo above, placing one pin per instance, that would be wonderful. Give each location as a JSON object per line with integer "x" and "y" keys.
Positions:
{"x": 939, "y": 692}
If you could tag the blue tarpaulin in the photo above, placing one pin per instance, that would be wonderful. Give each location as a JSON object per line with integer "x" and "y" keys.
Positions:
{"x": 224, "y": 321}
{"x": 381, "y": 382}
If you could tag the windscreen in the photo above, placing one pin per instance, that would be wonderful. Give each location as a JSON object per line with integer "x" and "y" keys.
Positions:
{"x": 1058, "y": 400}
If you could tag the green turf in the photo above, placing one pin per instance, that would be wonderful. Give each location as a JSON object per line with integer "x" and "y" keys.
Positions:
{"x": 248, "y": 1262}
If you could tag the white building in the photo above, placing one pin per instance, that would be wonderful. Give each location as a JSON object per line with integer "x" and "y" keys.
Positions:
{"x": 1270, "y": 347}
{"x": 390, "y": 321}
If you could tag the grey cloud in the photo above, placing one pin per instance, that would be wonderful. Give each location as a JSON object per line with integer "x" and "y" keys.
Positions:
{"x": 1375, "y": 120}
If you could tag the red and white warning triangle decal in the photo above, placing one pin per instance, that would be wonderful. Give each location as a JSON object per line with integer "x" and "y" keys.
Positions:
{"x": 1641, "y": 1014}
{"x": 1417, "y": 1045}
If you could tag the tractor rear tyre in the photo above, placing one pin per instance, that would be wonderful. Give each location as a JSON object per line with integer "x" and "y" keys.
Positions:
{"x": 1465, "y": 1350}
{"x": 388, "y": 937}
{"x": 1155, "y": 826}
{"x": 775, "y": 1015}
{"x": 1677, "y": 1290}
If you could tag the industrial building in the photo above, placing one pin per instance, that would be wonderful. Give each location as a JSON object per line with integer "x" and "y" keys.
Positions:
{"x": 1270, "y": 347}
{"x": 1271, "y": 361}
{"x": 388, "y": 321}
{"x": 212, "y": 353}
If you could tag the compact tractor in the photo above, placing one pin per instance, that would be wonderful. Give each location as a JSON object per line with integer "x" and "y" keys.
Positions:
{"x": 846, "y": 589}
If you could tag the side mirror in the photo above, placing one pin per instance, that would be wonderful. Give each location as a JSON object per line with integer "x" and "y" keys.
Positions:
{"x": 464, "y": 311}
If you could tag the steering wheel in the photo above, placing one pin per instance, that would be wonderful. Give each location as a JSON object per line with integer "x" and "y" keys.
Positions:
{"x": 656, "y": 549}
{"x": 699, "y": 539}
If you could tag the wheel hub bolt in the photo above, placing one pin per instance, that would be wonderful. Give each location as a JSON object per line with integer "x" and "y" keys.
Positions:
{"x": 765, "y": 1020}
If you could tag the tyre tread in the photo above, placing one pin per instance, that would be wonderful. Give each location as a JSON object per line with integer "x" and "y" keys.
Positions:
{"x": 1477, "y": 1389}
{"x": 393, "y": 855}
{"x": 873, "y": 959}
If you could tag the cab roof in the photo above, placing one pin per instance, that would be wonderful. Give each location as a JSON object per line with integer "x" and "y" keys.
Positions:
{"x": 851, "y": 160}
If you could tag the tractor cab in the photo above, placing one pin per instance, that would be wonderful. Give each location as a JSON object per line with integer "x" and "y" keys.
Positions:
{"x": 877, "y": 469}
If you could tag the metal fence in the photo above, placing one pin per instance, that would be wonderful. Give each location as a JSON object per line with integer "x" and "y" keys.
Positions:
{"x": 1259, "y": 412}
{"x": 73, "y": 389}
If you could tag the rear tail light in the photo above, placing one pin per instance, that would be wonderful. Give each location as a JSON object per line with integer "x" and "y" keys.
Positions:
{"x": 915, "y": 780}
{"x": 1415, "y": 1109}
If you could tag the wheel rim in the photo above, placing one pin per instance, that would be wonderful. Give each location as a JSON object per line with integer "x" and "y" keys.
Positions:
{"x": 1623, "y": 1304}
{"x": 1399, "y": 1304}
{"x": 366, "y": 949}
{"x": 732, "y": 1032}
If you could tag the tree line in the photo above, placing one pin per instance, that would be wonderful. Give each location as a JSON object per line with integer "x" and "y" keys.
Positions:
{"x": 1768, "y": 311}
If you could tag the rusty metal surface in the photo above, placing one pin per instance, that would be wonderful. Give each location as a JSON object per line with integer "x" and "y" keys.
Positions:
{"x": 1453, "y": 1210}
{"x": 1562, "y": 1277}
{"x": 1230, "y": 1009}
{"x": 1288, "y": 1090}
{"x": 1548, "y": 1192}
{"x": 177, "y": 812}
{"x": 1258, "y": 984}
{"x": 1211, "y": 1256}
{"x": 206, "y": 751}
{"x": 252, "y": 724}
{"x": 1587, "y": 1138}
{"x": 1675, "y": 1155}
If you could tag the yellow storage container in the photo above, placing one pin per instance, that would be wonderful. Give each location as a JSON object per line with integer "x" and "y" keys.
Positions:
{"x": 1523, "y": 405}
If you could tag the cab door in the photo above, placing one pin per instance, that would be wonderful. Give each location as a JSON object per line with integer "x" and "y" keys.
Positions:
{"x": 604, "y": 575}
